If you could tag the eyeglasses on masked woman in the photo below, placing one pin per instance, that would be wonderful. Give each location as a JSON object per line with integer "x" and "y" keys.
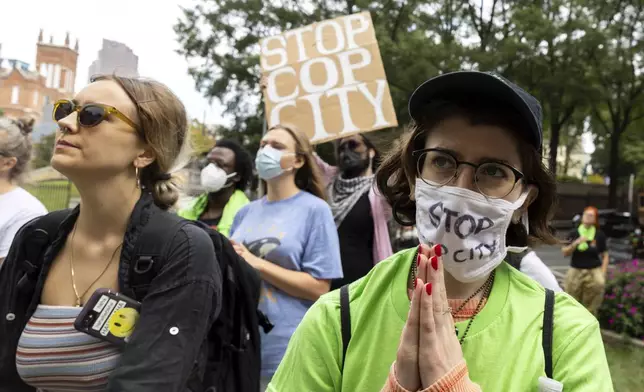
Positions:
{"x": 493, "y": 179}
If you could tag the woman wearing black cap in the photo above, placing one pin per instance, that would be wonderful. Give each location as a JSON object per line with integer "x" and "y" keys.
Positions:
{"x": 451, "y": 315}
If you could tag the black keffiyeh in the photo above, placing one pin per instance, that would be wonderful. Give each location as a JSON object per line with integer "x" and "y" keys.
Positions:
{"x": 345, "y": 193}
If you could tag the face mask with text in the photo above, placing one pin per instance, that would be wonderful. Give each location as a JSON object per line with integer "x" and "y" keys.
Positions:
{"x": 470, "y": 227}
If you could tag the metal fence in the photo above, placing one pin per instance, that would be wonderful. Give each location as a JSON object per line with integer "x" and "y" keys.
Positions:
{"x": 54, "y": 194}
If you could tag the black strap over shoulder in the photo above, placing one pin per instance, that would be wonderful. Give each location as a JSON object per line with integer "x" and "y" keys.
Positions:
{"x": 41, "y": 235}
{"x": 514, "y": 259}
{"x": 345, "y": 320}
{"x": 150, "y": 250}
{"x": 548, "y": 321}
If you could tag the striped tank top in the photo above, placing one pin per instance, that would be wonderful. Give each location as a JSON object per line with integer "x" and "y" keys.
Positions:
{"x": 53, "y": 356}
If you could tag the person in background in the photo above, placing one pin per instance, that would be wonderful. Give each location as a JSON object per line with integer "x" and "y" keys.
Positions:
{"x": 360, "y": 213}
{"x": 17, "y": 206}
{"x": 450, "y": 315}
{"x": 585, "y": 279}
{"x": 289, "y": 237}
{"x": 118, "y": 142}
{"x": 224, "y": 180}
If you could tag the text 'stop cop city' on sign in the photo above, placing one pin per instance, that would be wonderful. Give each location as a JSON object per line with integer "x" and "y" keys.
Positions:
{"x": 327, "y": 79}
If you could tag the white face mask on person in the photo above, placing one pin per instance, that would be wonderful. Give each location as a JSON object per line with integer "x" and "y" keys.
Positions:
{"x": 214, "y": 178}
{"x": 470, "y": 227}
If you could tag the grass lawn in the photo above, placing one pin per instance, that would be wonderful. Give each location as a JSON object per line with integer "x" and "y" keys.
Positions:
{"x": 626, "y": 365}
{"x": 53, "y": 194}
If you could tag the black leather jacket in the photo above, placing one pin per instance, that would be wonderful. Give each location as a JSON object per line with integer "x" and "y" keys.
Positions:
{"x": 185, "y": 294}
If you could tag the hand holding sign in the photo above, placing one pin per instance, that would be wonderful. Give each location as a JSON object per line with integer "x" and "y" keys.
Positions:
{"x": 429, "y": 349}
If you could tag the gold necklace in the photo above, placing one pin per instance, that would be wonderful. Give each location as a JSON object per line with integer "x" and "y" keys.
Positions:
{"x": 71, "y": 265}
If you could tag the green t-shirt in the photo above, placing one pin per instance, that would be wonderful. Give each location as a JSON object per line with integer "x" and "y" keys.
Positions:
{"x": 503, "y": 346}
{"x": 237, "y": 200}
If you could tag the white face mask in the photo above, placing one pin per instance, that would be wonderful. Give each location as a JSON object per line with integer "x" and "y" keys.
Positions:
{"x": 470, "y": 227}
{"x": 213, "y": 178}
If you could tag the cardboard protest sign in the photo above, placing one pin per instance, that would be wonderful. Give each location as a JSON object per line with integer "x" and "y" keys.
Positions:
{"x": 327, "y": 79}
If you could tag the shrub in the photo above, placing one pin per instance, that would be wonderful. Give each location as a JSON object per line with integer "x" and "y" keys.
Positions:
{"x": 623, "y": 308}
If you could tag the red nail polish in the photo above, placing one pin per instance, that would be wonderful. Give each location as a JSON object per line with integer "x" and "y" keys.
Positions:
{"x": 438, "y": 250}
{"x": 428, "y": 288}
{"x": 434, "y": 261}
{"x": 415, "y": 283}
{"x": 418, "y": 260}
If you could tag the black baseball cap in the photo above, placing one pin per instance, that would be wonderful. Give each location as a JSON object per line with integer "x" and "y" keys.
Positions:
{"x": 481, "y": 84}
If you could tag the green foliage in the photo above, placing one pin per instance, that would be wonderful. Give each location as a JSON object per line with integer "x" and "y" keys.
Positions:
{"x": 201, "y": 138}
{"x": 44, "y": 149}
{"x": 55, "y": 195}
{"x": 595, "y": 179}
{"x": 567, "y": 178}
{"x": 579, "y": 57}
{"x": 623, "y": 308}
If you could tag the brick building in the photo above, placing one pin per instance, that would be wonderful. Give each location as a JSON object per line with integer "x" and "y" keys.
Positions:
{"x": 25, "y": 91}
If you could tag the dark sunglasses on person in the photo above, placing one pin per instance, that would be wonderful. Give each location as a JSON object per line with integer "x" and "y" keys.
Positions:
{"x": 89, "y": 115}
{"x": 351, "y": 145}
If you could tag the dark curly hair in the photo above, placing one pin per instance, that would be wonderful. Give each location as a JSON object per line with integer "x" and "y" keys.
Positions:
{"x": 397, "y": 173}
{"x": 243, "y": 162}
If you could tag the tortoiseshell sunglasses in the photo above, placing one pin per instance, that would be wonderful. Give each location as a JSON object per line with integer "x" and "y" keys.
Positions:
{"x": 89, "y": 115}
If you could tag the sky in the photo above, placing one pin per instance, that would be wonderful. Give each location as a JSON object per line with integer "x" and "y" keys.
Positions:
{"x": 143, "y": 25}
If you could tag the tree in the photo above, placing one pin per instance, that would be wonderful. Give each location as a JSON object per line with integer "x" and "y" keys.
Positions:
{"x": 201, "y": 137}
{"x": 571, "y": 140}
{"x": 550, "y": 36}
{"x": 44, "y": 150}
{"x": 223, "y": 38}
{"x": 618, "y": 35}
{"x": 543, "y": 46}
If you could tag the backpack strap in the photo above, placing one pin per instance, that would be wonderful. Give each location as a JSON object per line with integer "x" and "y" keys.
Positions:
{"x": 548, "y": 321}
{"x": 514, "y": 259}
{"x": 41, "y": 235}
{"x": 150, "y": 250}
{"x": 345, "y": 321}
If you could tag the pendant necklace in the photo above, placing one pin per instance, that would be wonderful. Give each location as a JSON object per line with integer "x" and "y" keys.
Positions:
{"x": 79, "y": 298}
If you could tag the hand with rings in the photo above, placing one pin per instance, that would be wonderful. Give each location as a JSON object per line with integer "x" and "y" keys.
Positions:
{"x": 429, "y": 348}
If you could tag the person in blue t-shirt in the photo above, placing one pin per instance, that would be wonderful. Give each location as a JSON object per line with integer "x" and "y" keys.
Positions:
{"x": 289, "y": 237}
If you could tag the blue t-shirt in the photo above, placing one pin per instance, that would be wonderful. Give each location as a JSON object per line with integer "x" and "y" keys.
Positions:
{"x": 299, "y": 234}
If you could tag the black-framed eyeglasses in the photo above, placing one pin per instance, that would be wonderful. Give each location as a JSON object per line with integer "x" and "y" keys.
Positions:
{"x": 89, "y": 115}
{"x": 437, "y": 167}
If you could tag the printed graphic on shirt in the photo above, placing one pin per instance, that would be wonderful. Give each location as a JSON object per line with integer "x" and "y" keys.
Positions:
{"x": 263, "y": 246}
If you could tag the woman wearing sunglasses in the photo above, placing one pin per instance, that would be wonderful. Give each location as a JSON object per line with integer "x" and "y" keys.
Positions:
{"x": 450, "y": 315}
{"x": 118, "y": 141}
{"x": 17, "y": 206}
{"x": 289, "y": 237}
